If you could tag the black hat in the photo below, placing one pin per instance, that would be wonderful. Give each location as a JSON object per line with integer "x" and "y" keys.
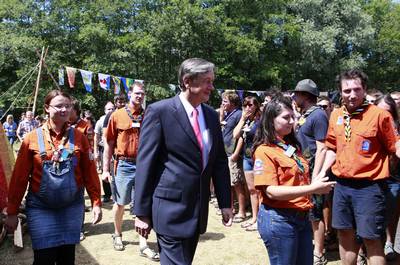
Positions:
{"x": 307, "y": 85}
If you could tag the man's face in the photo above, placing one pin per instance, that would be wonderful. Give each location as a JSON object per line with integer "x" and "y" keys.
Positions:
{"x": 371, "y": 99}
{"x": 108, "y": 108}
{"x": 29, "y": 115}
{"x": 352, "y": 93}
{"x": 200, "y": 88}
{"x": 227, "y": 104}
{"x": 326, "y": 105}
{"x": 299, "y": 98}
{"x": 137, "y": 96}
{"x": 120, "y": 103}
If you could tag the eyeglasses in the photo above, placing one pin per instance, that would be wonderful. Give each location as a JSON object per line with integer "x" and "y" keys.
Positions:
{"x": 60, "y": 107}
{"x": 324, "y": 106}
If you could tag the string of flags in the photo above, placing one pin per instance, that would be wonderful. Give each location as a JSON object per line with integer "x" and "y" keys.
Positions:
{"x": 105, "y": 82}
{"x": 88, "y": 78}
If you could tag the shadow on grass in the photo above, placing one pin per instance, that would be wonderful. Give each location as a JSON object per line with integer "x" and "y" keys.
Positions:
{"x": 211, "y": 236}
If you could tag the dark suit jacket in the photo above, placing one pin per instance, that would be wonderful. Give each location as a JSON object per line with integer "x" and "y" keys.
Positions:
{"x": 171, "y": 187}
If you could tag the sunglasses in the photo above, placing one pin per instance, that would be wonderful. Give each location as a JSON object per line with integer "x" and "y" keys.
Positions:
{"x": 323, "y": 106}
{"x": 248, "y": 105}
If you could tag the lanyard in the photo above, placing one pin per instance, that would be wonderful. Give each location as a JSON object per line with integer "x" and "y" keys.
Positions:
{"x": 139, "y": 118}
{"x": 304, "y": 116}
{"x": 290, "y": 151}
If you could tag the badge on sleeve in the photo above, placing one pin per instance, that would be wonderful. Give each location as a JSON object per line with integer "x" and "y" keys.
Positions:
{"x": 365, "y": 146}
{"x": 339, "y": 120}
{"x": 258, "y": 167}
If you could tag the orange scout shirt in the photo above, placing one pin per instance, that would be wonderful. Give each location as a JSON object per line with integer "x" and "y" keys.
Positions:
{"x": 28, "y": 168}
{"x": 273, "y": 168}
{"x": 87, "y": 130}
{"x": 373, "y": 139}
{"x": 124, "y": 132}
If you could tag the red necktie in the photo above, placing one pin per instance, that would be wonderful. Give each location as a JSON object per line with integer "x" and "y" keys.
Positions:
{"x": 196, "y": 129}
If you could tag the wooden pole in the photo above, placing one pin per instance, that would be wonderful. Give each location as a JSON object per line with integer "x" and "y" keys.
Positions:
{"x": 38, "y": 82}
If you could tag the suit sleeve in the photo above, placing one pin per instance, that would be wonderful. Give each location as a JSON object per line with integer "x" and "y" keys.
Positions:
{"x": 148, "y": 162}
{"x": 220, "y": 176}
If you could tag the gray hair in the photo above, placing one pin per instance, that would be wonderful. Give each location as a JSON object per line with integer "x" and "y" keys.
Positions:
{"x": 191, "y": 68}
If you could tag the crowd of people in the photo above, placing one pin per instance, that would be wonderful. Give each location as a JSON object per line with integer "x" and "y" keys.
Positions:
{"x": 301, "y": 171}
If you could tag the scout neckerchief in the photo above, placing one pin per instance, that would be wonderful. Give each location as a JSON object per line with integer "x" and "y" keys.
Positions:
{"x": 304, "y": 116}
{"x": 290, "y": 151}
{"x": 57, "y": 152}
{"x": 347, "y": 116}
{"x": 138, "y": 119}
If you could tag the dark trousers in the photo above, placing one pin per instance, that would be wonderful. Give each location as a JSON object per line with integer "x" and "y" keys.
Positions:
{"x": 62, "y": 255}
{"x": 106, "y": 189}
{"x": 177, "y": 250}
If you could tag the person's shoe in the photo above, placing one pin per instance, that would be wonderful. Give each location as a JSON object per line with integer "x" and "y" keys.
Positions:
{"x": 320, "y": 260}
{"x": 82, "y": 236}
{"x": 389, "y": 251}
{"x": 117, "y": 242}
{"x": 361, "y": 259}
{"x": 149, "y": 253}
{"x": 106, "y": 199}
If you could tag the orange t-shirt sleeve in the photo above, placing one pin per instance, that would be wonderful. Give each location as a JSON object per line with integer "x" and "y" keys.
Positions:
{"x": 330, "y": 141}
{"x": 387, "y": 132}
{"x": 20, "y": 176}
{"x": 90, "y": 177}
{"x": 265, "y": 170}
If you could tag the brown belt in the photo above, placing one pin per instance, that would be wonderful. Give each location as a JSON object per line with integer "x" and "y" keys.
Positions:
{"x": 127, "y": 158}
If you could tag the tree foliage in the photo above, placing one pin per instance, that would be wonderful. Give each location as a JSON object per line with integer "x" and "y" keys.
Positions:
{"x": 255, "y": 44}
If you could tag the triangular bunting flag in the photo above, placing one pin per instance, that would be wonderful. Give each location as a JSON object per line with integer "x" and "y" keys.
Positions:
{"x": 61, "y": 76}
{"x": 87, "y": 79}
{"x": 104, "y": 81}
{"x": 117, "y": 84}
{"x": 71, "y": 76}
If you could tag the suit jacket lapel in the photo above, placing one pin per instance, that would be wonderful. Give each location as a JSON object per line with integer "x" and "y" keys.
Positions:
{"x": 182, "y": 119}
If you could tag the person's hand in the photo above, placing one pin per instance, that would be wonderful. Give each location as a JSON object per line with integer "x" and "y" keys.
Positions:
{"x": 106, "y": 176}
{"x": 322, "y": 185}
{"x": 234, "y": 157}
{"x": 227, "y": 216}
{"x": 97, "y": 214}
{"x": 11, "y": 223}
{"x": 142, "y": 226}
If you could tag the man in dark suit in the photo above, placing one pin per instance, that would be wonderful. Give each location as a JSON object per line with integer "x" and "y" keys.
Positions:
{"x": 180, "y": 149}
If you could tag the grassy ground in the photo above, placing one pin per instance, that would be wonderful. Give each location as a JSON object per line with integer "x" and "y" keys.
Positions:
{"x": 220, "y": 245}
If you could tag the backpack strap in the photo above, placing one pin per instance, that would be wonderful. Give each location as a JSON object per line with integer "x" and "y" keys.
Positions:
{"x": 71, "y": 140}
{"x": 42, "y": 149}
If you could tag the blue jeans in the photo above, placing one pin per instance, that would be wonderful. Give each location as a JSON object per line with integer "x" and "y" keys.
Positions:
{"x": 287, "y": 235}
{"x": 124, "y": 182}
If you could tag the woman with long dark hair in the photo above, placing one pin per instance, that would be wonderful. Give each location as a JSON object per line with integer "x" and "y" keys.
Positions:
{"x": 55, "y": 161}
{"x": 282, "y": 176}
{"x": 245, "y": 131}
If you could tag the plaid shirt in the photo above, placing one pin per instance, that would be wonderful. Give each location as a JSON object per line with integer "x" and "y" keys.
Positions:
{"x": 26, "y": 126}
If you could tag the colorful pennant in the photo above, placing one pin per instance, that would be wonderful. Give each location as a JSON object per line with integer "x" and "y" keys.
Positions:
{"x": 87, "y": 77}
{"x": 104, "y": 81}
{"x": 71, "y": 76}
